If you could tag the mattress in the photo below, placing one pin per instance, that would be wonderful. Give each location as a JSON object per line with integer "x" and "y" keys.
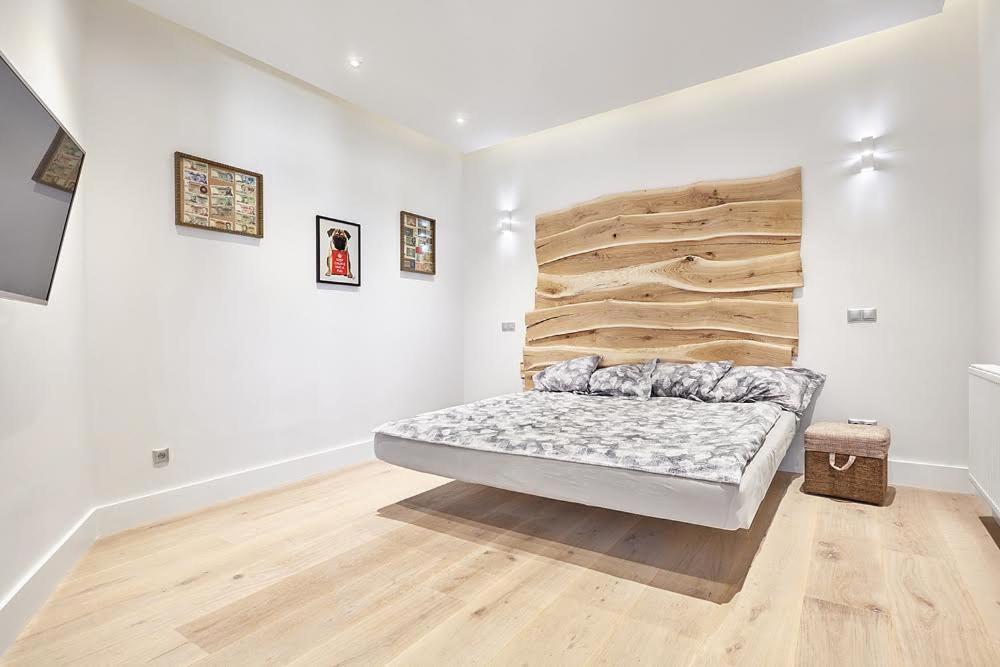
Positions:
{"x": 674, "y": 436}
{"x": 725, "y": 505}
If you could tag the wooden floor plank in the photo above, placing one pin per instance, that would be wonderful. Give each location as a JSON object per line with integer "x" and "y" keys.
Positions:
{"x": 969, "y": 533}
{"x": 497, "y": 611}
{"x": 834, "y": 634}
{"x": 845, "y": 565}
{"x": 378, "y": 565}
{"x": 761, "y": 622}
{"x": 934, "y": 619}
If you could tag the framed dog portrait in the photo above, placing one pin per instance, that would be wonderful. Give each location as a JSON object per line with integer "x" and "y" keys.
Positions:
{"x": 338, "y": 252}
{"x": 417, "y": 243}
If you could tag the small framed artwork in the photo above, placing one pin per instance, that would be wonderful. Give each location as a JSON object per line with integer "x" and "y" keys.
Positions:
{"x": 60, "y": 167}
{"x": 212, "y": 195}
{"x": 338, "y": 252}
{"x": 417, "y": 245}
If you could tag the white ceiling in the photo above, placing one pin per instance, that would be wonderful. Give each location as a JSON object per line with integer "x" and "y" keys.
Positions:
{"x": 512, "y": 67}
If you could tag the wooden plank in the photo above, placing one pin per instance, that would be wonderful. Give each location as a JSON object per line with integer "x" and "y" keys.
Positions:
{"x": 757, "y": 627}
{"x": 667, "y": 294}
{"x": 663, "y": 280}
{"x": 780, "y": 218}
{"x": 232, "y": 622}
{"x": 835, "y": 634}
{"x": 935, "y": 621}
{"x": 766, "y": 318}
{"x": 742, "y": 352}
{"x": 619, "y": 337}
{"x": 908, "y": 524}
{"x": 783, "y": 185}
{"x": 846, "y": 566}
{"x": 544, "y": 570}
{"x": 619, "y": 257}
{"x": 410, "y": 615}
{"x": 965, "y": 539}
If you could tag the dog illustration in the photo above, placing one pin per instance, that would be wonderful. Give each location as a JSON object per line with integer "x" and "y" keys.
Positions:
{"x": 338, "y": 262}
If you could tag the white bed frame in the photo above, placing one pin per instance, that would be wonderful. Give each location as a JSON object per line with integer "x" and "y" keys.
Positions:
{"x": 714, "y": 504}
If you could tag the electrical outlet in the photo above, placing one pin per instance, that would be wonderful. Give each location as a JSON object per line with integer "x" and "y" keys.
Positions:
{"x": 863, "y": 422}
{"x": 161, "y": 457}
{"x": 508, "y": 326}
{"x": 862, "y": 314}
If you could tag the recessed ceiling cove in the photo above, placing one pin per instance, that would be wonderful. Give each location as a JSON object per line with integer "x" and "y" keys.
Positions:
{"x": 519, "y": 66}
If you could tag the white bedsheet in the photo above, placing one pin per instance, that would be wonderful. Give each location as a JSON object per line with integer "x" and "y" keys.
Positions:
{"x": 715, "y": 504}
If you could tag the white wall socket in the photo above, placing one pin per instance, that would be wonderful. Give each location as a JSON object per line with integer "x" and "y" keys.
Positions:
{"x": 862, "y": 314}
{"x": 161, "y": 457}
{"x": 508, "y": 326}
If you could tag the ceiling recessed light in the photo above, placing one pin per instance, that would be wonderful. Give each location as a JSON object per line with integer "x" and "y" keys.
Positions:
{"x": 354, "y": 62}
{"x": 460, "y": 120}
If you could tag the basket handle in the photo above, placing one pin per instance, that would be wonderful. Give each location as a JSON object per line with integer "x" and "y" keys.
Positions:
{"x": 833, "y": 463}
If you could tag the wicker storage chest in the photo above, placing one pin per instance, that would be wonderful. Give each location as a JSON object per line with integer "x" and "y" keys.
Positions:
{"x": 847, "y": 461}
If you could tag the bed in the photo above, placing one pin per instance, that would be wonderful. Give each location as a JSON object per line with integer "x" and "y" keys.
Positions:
{"x": 700, "y": 273}
{"x": 717, "y": 476}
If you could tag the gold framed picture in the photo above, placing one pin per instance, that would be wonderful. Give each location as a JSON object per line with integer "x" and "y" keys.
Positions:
{"x": 212, "y": 195}
{"x": 417, "y": 243}
{"x": 60, "y": 166}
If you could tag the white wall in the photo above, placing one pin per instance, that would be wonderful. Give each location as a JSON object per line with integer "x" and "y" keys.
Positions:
{"x": 989, "y": 249}
{"x": 46, "y": 474}
{"x": 901, "y": 239}
{"x": 224, "y": 348}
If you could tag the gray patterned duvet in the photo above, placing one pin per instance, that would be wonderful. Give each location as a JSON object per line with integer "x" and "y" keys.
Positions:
{"x": 671, "y": 436}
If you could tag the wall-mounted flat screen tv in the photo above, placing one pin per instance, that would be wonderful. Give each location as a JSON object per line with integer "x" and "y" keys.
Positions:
{"x": 40, "y": 166}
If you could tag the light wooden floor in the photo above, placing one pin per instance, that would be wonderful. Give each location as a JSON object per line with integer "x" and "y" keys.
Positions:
{"x": 376, "y": 564}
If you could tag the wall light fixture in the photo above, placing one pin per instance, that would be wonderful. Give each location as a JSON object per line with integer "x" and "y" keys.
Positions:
{"x": 868, "y": 159}
{"x": 507, "y": 222}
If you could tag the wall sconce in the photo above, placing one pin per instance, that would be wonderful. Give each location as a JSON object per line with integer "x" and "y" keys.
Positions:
{"x": 507, "y": 222}
{"x": 868, "y": 160}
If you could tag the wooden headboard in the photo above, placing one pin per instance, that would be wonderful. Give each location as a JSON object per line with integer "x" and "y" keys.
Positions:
{"x": 697, "y": 273}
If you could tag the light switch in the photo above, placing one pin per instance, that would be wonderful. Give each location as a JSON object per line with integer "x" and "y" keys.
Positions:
{"x": 507, "y": 326}
{"x": 862, "y": 314}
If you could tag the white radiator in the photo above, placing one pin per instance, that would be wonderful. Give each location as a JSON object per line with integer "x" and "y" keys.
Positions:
{"x": 984, "y": 433}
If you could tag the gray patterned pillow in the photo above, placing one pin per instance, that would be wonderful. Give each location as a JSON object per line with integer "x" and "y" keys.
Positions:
{"x": 791, "y": 388}
{"x": 694, "y": 381}
{"x": 572, "y": 375}
{"x": 632, "y": 380}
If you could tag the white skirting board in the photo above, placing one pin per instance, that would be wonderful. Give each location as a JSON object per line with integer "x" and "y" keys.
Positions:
{"x": 142, "y": 510}
{"x": 21, "y": 603}
{"x": 26, "y": 598}
{"x": 935, "y": 476}
{"x": 985, "y": 496}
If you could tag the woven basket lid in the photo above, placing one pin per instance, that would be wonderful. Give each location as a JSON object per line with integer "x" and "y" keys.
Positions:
{"x": 841, "y": 438}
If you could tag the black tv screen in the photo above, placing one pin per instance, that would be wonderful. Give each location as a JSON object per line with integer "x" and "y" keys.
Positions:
{"x": 40, "y": 166}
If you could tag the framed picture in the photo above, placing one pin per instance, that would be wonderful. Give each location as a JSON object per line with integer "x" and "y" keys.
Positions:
{"x": 212, "y": 195}
{"x": 60, "y": 167}
{"x": 338, "y": 252}
{"x": 417, "y": 249}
